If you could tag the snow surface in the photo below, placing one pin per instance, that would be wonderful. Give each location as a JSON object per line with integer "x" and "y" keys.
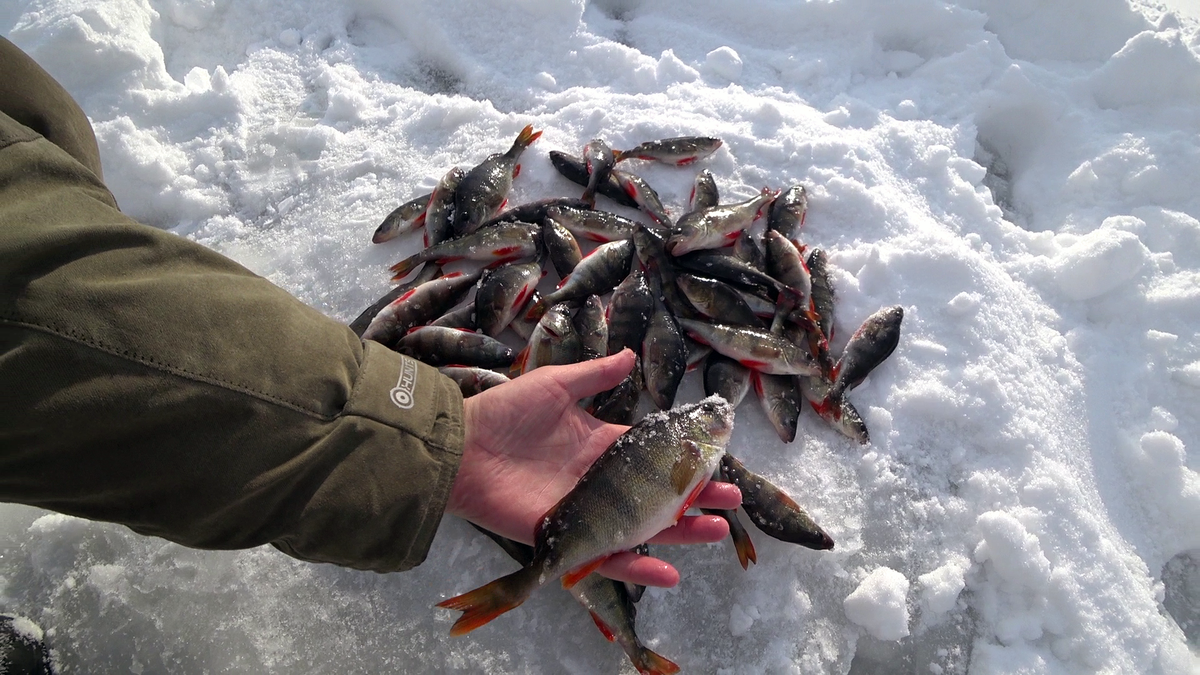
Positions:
{"x": 1019, "y": 175}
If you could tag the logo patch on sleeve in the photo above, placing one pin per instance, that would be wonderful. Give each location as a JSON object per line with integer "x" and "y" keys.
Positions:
{"x": 402, "y": 393}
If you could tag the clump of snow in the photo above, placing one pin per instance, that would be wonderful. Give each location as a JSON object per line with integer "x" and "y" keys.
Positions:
{"x": 879, "y": 604}
{"x": 1099, "y": 262}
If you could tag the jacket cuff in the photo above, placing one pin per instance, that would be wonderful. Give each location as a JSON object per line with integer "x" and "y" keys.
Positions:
{"x": 379, "y": 509}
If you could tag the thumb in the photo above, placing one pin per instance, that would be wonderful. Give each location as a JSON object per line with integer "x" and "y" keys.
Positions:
{"x": 592, "y": 377}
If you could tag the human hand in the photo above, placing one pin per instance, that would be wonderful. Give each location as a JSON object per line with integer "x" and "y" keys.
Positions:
{"x": 528, "y": 443}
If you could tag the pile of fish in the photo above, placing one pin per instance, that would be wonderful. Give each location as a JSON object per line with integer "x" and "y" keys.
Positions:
{"x": 698, "y": 290}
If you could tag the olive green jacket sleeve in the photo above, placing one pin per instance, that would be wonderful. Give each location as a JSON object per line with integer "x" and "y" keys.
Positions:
{"x": 148, "y": 381}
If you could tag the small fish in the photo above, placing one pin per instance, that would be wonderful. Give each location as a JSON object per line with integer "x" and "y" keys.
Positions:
{"x": 554, "y": 341}
{"x": 780, "y": 401}
{"x": 463, "y": 317}
{"x": 785, "y": 263}
{"x": 822, "y": 290}
{"x": 772, "y": 510}
{"x": 750, "y": 251}
{"x": 600, "y": 226}
{"x": 598, "y": 273}
{"x": 752, "y": 347}
{"x": 419, "y": 306}
{"x": 704, "y": 192}
{"x": 645, "y": 196}
{"x": 592, "y": 328}
{"x": 359, "y": 324}
{"x": 502, "y": 243}
{"x": 716, "y": 226}
{"x": 533, "y": 212}
{"x": 613, "y": 612}
{"x": 726, "y": 378}
{"x": 643, "y": 483}
{"x": 679, "y": 151}
{"x": 439, "y": 216}
{"x": 664, "y": 354}
{"x": 718, "y": 300}
{"x": 441, "y": 346}
{"x": 729, "y": 269}
{"x": 502, "y": 293}
{"x": 575, "y": 170}
{"x": 629, "y": 312}
{"x": 408, "y": 217}
{"x": 788, "y": 211}
{"x": 610, "y": 605}
{"x": 599, "y": 160}
{"x": 472, "y": 380}
{"x": 561, "y": 247}
{"x": 619, "y": 404}
{"x": 870, "y": 346}
{"x": 485, "y": 187}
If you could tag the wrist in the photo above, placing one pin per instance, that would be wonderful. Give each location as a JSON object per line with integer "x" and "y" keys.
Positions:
{"x": 459, "y": 489}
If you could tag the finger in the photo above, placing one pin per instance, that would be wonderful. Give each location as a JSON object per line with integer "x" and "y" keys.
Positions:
{"x": 694, "y": 530}
{"x": 639, "y": 569}
{"x": 592, "y": 377}
{"x": 718, "y": 495}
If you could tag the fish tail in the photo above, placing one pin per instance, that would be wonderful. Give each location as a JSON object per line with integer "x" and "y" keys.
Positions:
{"x": 649, "y": 663}
{"x": 402, "y": 268}
{"x": 619, "y": 155}
{"x": 589, "y": 196}
{"x": 743, "y": 545}
{"x": 491, "y": 600}
{"x": 526, "y": 137}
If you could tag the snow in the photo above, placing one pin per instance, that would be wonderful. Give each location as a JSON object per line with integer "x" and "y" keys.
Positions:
{"x": 1019, "y": 176}
{"x": 879, "y": 604}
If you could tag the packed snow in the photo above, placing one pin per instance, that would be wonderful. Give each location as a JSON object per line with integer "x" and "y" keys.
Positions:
{"x": 1019, "y": 176}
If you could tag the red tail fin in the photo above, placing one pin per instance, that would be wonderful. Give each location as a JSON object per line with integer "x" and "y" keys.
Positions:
{"x": 649, "y": 663}
{"x": 744, "y": 547}
{"x": 490, "y": 601}
{"x": 402, "y": 268}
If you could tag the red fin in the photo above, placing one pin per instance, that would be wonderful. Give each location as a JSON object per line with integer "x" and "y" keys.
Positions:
{"x": 687, "y": 503}
{"x": 505, "y": 250}
{"x": 491, "y": 600}
{"x": 576, "y": 575}
{"x": 756, "y": 380}
{"x": 604, "y": 629}
{"x": 596, "y": 237}
{"x": 745, "y": 550}
{"x": 419, "y": 221}
{"x": 685, "y": 162}
{"x": 631, "y": 190}
{"x": 516, "y": 171}
{"x": 732, "y": 236}
{"x": 518, "y": 366}
{"x": 752, "y": 364}
{"x": 407, "y": 295}
{"x": 503, "y": 204}
{"x": 523, "y": 296}
{"x": 650, "y": 663}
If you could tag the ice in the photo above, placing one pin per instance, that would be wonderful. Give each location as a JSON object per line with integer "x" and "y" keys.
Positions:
{"x": 1019, "y": 176}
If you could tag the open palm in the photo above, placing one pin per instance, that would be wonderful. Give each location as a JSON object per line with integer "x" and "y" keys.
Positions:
{"x": 528, "y": 443}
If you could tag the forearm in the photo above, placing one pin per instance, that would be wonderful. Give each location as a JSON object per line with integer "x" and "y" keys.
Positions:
{"x": 151, "y": 382}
